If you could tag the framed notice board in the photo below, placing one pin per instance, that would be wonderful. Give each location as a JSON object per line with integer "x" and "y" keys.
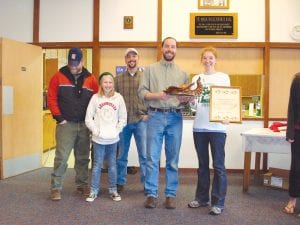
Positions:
{"x": 213, "y": 25}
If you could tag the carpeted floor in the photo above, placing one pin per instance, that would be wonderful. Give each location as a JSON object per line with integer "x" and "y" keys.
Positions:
{"x": 24, "y": 200}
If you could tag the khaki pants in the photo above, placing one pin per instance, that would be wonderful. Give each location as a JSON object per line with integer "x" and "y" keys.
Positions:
{"x": 70, "y": 136}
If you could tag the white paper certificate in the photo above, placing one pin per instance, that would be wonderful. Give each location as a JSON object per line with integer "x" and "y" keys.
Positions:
{"x": 225, "y": 104}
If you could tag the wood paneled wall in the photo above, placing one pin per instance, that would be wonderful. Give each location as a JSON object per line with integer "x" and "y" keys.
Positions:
{"x": 112, "y": 57}
{"x": 284, "y": 64}
{"x": 239, "y": 57}
{"x": 230, "y": 60}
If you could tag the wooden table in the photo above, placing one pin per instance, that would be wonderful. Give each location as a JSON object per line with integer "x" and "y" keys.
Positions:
{"x": 262, "y": 140}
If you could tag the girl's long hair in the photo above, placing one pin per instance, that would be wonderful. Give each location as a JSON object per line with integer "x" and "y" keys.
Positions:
{"x": 101, "y": 92}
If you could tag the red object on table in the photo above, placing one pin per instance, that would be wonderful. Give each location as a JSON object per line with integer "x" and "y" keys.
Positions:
{"x": 278, "y": 126}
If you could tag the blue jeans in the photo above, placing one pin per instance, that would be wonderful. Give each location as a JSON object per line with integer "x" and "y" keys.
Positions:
{"x": 219, "y": 186}
{"x": 138, "y": 129}
{"x": 161, "y": 125}
{"x": 109, "y": 153}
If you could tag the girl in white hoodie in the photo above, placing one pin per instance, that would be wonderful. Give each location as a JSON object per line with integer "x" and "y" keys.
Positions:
{"x": 106, "y": 116}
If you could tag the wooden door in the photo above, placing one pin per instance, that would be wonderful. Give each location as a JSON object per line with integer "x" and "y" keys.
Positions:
{"x": 22, "y": 107}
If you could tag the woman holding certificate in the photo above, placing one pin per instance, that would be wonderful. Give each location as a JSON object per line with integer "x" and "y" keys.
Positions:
{"x": 213, "y": 134}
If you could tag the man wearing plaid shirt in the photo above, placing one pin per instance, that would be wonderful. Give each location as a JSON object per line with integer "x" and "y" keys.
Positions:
{"x": 127, "y": 84}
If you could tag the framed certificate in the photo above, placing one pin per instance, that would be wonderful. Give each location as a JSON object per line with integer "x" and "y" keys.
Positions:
{"x": 225, "y": 104}
{"x": 213, "y": 4}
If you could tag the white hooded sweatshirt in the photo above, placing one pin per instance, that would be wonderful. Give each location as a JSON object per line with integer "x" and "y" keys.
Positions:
{"x": 201, "y": 122}
{"x": 106, "y": 118}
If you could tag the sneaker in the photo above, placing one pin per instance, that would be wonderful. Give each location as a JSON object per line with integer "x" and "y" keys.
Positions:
{"x": 55, "y": 195}
{"x": 91, "y": 197}
{"x": 84, "y": 190}
{"x": 215, "y": 211}
{"x": 120, "y": 188}
{"x": 195, "y": 204}
{"x": 115, "y": 196}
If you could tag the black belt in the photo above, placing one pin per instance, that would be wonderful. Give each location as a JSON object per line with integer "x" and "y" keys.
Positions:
{"x": 164, "y": 110}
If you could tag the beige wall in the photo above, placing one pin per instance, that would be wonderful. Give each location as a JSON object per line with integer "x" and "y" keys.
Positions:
{"x": 283, "y": 66}
{"x": 112, "y": 57}
{"x": 284, "y": 63}
{"x": 230, "y": 60}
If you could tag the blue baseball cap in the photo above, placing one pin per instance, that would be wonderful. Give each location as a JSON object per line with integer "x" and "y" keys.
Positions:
{"x": 74, "y": 57}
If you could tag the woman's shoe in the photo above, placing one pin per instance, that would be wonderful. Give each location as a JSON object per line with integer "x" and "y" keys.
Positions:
{"x": 196, "y": 204}
{"x": 289, "y": 209}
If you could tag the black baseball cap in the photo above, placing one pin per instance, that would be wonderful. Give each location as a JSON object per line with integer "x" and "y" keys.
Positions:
{"x": 74, "y": 57}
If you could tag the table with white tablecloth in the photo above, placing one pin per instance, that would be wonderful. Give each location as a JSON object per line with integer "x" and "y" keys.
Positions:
{"x": 262, "y": 140}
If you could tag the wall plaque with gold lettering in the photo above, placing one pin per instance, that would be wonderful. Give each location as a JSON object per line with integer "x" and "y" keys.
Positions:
{"x": 213, "y": 25}
{"x": 128, "y": 22}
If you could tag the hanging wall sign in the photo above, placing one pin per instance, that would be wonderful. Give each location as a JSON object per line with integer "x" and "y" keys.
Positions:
{"x": 128, "y": 22}
{"x": 213, "y": 25}
{"x": 120, "y": 69}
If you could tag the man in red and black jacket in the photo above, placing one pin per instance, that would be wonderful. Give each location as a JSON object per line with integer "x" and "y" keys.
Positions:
{"x": 69, "y": 93}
